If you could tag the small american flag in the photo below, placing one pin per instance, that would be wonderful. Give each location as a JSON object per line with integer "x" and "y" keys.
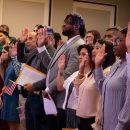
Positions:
{"x": 10, "y": 88}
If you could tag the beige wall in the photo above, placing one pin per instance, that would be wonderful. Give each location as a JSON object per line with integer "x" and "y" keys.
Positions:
{"x": 1, "y": 9}
{"x": 123, "y": 9}
{"x": 63, "y": 7}
{"x": 20, "y": 13}
{"x": 60, "y": 8}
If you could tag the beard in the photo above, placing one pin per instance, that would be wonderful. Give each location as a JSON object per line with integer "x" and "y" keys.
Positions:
{"x": 67, "y": 32}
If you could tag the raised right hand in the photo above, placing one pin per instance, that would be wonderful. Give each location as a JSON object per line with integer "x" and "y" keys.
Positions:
{"x": 24, "y": 35}
{"x": 61, "y": 62}
{"x": 82, "y": 64}
{"x": 100, "y": 57}
{"x": 41, "y": 37}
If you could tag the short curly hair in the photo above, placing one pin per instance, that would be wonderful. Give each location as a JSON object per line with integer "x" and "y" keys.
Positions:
{"x": 77, "y": 20}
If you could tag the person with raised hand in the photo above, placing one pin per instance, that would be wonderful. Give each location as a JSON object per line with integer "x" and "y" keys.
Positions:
{"x": 82, "y": 95}
{"x": 114, "y": 87}
{"x": 74, "y": 29}
{"x": 34, "y": 110}
{"x": 108, "y": 53}
{"x": 10, "y": 102}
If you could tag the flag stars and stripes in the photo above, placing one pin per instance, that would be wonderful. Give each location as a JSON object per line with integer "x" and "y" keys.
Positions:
{"x": 9, "y": 89}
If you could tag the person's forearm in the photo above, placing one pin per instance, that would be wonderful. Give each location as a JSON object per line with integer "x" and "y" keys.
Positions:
{"x": 44, "y": 56}
{"x": 60, "y": 81}
{"x": 77, "y": 82}
{"x": 20, "y": 52}
{"x": 99, "y": 78}
{"x": 40, "y": 85}
{"x": 98, "y": 66}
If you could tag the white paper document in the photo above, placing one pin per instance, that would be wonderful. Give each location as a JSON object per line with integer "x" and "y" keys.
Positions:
{"x": 29, "y": 74}
{"x": 49, "y": 106}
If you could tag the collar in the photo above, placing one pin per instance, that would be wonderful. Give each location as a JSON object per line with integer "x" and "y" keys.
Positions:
{"x": 69, "y": 41}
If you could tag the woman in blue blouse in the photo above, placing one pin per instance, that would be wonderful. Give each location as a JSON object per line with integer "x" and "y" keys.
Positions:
{"x": 114, "y": 88}
{"x": 9, "y": 111}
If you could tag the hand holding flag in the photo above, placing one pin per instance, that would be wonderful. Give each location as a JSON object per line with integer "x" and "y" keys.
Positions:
{"x": 9, "y": 89}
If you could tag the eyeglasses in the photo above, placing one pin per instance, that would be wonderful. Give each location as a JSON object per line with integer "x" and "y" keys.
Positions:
{"x": 117, "y": 41}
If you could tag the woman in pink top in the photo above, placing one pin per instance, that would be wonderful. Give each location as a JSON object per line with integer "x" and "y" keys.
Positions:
{"x": 71, "y": 98}
{"x": 88, "y": 94}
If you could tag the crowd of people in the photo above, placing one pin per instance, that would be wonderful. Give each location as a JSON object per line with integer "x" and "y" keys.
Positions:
{"x": 87, "y": 76}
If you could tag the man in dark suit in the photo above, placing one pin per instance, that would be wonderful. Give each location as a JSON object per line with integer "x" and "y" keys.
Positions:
{"x": 74, "y": 29}
{"x": 34, "y": 109}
